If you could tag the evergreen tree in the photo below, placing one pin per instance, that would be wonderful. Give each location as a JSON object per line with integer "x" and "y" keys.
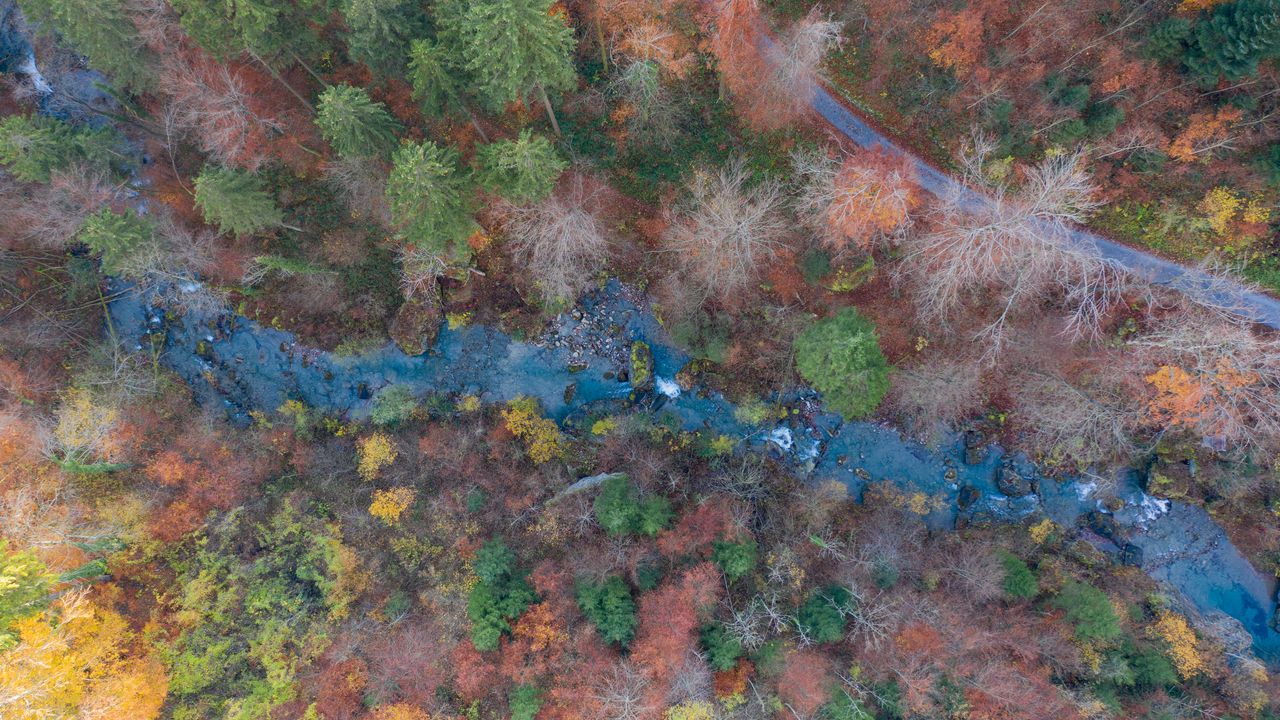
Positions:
{"x": 609, "y": 606}
{"x": 822, "y": 616}
{"x": 513, "y": 48}
{"x": 619, "y": 509}
{"x": 1231, "y": 40}
{"x": 433, "y": 81}
{"x": 379, "y": 32}
{"x": 353, "y": 124}
{"x": 115, "y": 237}
{"x": 235, "y": 201}
{"x": 102, "y": 31}
{"x": 525, "y": 702}
{"x": 1089, "y": 610}
{"x": 723, "y": 649}
{"x": 1019, "y": 582}
{"x": 265, "y": 28}
{"x": 735, "y": 559}
{"x": 429, "y": 197}
{"x": 500, "y": 596}
{"x": 523, "y": 170}
{"x": 841, "y": 357}
{"x": 31, "y": 147}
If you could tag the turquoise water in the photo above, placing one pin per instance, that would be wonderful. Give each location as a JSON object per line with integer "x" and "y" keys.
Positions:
{"x": 578, "y": 367}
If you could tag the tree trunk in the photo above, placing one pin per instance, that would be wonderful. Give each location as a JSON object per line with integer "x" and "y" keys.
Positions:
{"x": 276, "y": 76}
{"x": 475, "y": 122}
{"x": 604, "y": 49}
{"x": 551, "y": 115}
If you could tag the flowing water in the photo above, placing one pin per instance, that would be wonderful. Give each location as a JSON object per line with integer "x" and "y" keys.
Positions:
{"x": 578, "y": 368}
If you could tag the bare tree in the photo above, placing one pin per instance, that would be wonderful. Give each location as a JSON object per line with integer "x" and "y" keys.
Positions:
{"x": 796, "y": 60}
{"x": 692, "y": 681}
{"x": 622, "y": 693}
{"x": 938, "y": 390}
{"x": 1091, "y": 418}
{"x": 49, "y": 216}
{"x": 729, "y": 229}
{"x": 560, "y": 241}
{"x": 1225, "y": 378}
{"x": 1014, "y": 250}
{"x": 976, "y": 572}
{"x": 420, "y": 272}
{"x": 361, "y": 182}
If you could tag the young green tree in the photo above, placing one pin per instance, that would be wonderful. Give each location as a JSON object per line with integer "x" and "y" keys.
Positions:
{"x": 499, "y": 597}
{"x": 1232, "y": 39}
{"x": 619, "y": 509}
{"x": 513, "y": 48}
{"x": 1089, "y": 610}
{"x": 840, "y": 356}
{"x": 235, "y": 201}
{"x": 735, "y": 558}
{"x": 609, "y": 606}
{"x": 102, "y": 31}
{"x": 264, "y": 28}
{"x": 24, "y": 590}
{"x": 429, "y": 197}
{"x": 523, "y": 170}
{"x": 379, "y": 32}
{"x": 1019, "y": 582}
{"x": 354, "y": 124}
{"x": 31, "y": 147}
{"x": 115, "y": 237}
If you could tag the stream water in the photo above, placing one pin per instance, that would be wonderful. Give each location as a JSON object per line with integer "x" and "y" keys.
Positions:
{"x": 578, "y": 368}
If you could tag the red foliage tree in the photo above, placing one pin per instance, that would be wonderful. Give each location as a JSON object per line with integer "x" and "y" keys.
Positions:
{"x": 669, "y": 620}
{"x": 804, "y": 681}
{"x": 693, "y": 534}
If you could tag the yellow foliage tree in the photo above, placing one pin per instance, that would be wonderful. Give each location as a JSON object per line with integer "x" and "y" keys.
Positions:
{"x": 541, "y": 436}
{"x": 72, "y": 662}
{"x": 389, "y": 505}
{"x": 375, "y": 452}
{"x": 1197, "y": 400}
{"x": 1220, "y": 206}
{"x": 1180, "y": 641}
{"x": 691, "y": 710}
{"x": 399, "y": 711}
{"x": 83, "y": 433}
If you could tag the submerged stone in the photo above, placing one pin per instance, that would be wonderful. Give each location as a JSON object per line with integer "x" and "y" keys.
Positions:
{"x": 1012, "y": 484}
{"x": 969, "y": 495}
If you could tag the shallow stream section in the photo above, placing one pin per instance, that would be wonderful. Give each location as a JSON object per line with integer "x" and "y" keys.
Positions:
{"x": 579, "y": 368}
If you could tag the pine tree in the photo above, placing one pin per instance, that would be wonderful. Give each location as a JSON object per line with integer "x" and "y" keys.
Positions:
{"x": 355, "y": 125}
{"x": 523, "y": 170}
{"x": 1231, "y": 41}
{"x": 429, "y": 197}
{"x": 433, "y": 80}
{"x": 513, "y": 48}
{"x": 609, "y": 606}
{"x": 379, "y": 32}
{"x": 262, "y": 27}
{"x": 102, "y": 31}
{"x": 31, "y": 147}
{"x": 116, "y": 237}
{"x": 235, "y": 201}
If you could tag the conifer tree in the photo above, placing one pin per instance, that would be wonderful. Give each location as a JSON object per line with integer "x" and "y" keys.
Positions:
{"x": 523, "y": 170}
{"x": 1231, "y": 41}
{"x": 355, "y": 125}
{"x": 513, "y": 48}
{"x": 235, "y": 201}
{"x": 264, "y": 28}
{"x": 433, "y": 80}
{"x": 429, "y": 197}
{"x": 115, "y": 237}
{"x": 31, "y": 147}
{"x": 379, "y": 32}
{"x": 102, "y": 31}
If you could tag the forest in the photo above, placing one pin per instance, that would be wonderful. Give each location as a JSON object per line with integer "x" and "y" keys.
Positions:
{"x": 565, "y": 360}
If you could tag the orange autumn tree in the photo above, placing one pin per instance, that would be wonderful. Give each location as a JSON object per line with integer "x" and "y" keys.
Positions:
{"x": 856, "y": 202}
{"x": 955, "y": 40}
{"x": 1216, "y": 378}
{"x": 1204, "y": 132}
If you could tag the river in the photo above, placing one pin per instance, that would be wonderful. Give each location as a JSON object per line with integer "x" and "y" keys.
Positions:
{"x": 577, "y": 368}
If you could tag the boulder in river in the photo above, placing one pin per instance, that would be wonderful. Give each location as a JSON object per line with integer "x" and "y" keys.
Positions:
{"x": 416, "y": 325}
{"x": 641, "y": 365}
{"x": 1131, "y": 555}
{"x": 974, "y": 450}
{"x": 1169, "y": 480}
{"x": 1011, "y": 483}
{"x": 968, "y": 496}
{"x": 1103, "y": 524}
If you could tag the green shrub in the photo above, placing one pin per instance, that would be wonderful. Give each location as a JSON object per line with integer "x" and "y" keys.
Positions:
{"x": 840, "y": 356}
{"x": 1019, "y": 581}
{"x": 723, "y": 649}
{"x": 610, "y": 607}
{"x": 821, "y": 617}
{"x": 393, "y": 405}
{"x": 619, "y": 509}
{"x": 1089, "y": 610}
{"x": 736, "y": 559}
